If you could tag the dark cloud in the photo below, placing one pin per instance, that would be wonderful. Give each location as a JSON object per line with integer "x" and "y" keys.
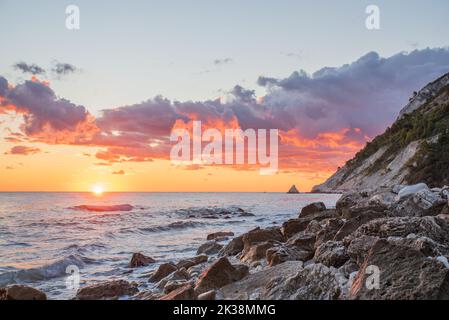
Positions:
{"x": 29, "y": 68}
{"x": 219, "y": 62}
{"x": 22, "y": 150}
{"x": 63, "y": 69}
{"x": 41, "y": 107}
{"x": 3, "y": 86}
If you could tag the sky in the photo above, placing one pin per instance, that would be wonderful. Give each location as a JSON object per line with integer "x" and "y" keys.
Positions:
{"x": 96, "y": 106}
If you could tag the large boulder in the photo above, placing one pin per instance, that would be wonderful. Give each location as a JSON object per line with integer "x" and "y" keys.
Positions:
{"x": 405, "y": 274}
{"x": 106, "y": 290}
{"x": 303, "y": 240}
{"x": 313, "y": 282}
{"x": 219, "y": 274}
{"x": 312, "y": 208}
{"x": 234, "y": 247}
{"x": 407, "y": 191}
{"x": 140, "y": 260}
{"x": 251, "y": 287}
{"x": 164, "y": 270}
{"x": 331, "y": 254}
{"x": 181, "y": 275}
{"x": 422, "y": 203}
{"x": 21, "y": 292}
{"x": 329, "y": 229}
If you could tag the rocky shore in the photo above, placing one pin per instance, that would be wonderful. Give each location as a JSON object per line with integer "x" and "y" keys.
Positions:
{"x": 397, "y": 236}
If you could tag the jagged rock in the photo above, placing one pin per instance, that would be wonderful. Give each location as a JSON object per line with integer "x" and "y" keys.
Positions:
{"x": 21, "y": 292}
{"x": 293, "y": 226}
{"x": 147, "y": 295}
{"x": 304, "y": 241}
{"x": 360, "y": 246}
{"x": 234, "y": 247}
{"x": 209, "y": 248}
{"x": 185, "y": 292}
{"x": 431, "y": 227}
{"x": 178, "y": 275}
{"x": 331, "y": 254}
{"x": 282, "y": 253}
{"x": 351, "y": 225}
{"x": 349, "y": 268}
{"x": 175, "y": 284}
{"x": 293, "y": 189}
{"x": 251, "y": 287}
{"x": 209, "y": 295}
{"x": 313, "y": 282}
{"x": 219, "y": 274}
{"x": 257, "y": 251}
{"x": 312, "y": 208}
{"x": 328, "y": 231}
{"x": 187, "y": 263}
{"x": 106, "y": 290}
{"x": 140, "y": 260}
{"x": 220, "y": 234}
{"x": 405, "y": 274}
{"x": 164, "y": 270}
{"x": 261, "y": 235}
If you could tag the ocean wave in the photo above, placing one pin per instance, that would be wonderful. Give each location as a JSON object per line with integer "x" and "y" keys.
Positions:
{"x": 100, "y": 208}
{"x": 49, "y": 271}
{"x": 214, "y": 212}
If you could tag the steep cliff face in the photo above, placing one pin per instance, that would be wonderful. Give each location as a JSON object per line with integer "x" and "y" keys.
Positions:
{"x": 414, "y": 149}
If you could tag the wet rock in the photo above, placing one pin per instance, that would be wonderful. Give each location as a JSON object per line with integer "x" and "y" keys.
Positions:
{"x": 209, "y": 248}
{"x": 331, "y": 254}
{"x": 164, "y": 270}
{"x": 234, "y": 247}
{"x": 140, "y": 260}
{"x": 187, "y": 263}
{"x": 185, "y": 292}
{"x": 21, "y": 292}
{"x": 220, "y": 234}
{"x": 220, "y": 273}
{"x": 282, "y": 253}
{"x": 405, "y": 274}
{"x": 312, "y": 208}
{"x": 106, "y": 290}
{"x": 313, "y": 282}
{"x": 209, "y": 295}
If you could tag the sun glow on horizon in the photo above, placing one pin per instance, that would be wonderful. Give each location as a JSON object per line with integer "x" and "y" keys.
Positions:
{"x": 97, "y": 190}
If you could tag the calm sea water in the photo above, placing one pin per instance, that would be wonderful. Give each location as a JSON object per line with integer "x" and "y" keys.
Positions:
{"x": 41, "y": 233}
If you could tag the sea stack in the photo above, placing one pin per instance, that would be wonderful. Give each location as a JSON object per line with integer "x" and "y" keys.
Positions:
{"x": 293, "y": 189}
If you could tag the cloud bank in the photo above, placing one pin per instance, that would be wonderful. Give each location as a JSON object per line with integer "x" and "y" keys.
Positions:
{"x": 324, "y": 117}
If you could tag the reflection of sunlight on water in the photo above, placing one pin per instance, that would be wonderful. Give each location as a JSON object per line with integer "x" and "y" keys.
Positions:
{"x": 38, "y": 229}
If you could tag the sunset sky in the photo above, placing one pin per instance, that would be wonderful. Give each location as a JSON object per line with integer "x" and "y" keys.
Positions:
{"x": 96, "y": 106}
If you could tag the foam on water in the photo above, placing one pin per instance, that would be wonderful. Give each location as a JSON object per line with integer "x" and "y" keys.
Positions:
{"x": 41, "y": 233}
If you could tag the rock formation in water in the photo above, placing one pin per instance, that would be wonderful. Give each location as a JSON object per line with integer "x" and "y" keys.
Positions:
{"x": 293, "y": 189}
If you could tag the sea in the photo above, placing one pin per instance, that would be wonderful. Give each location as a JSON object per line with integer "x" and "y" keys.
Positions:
{"x": 49, "y": 239}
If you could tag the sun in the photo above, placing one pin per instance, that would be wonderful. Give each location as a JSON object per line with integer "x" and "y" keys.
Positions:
{"x": 97, "y": 190}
